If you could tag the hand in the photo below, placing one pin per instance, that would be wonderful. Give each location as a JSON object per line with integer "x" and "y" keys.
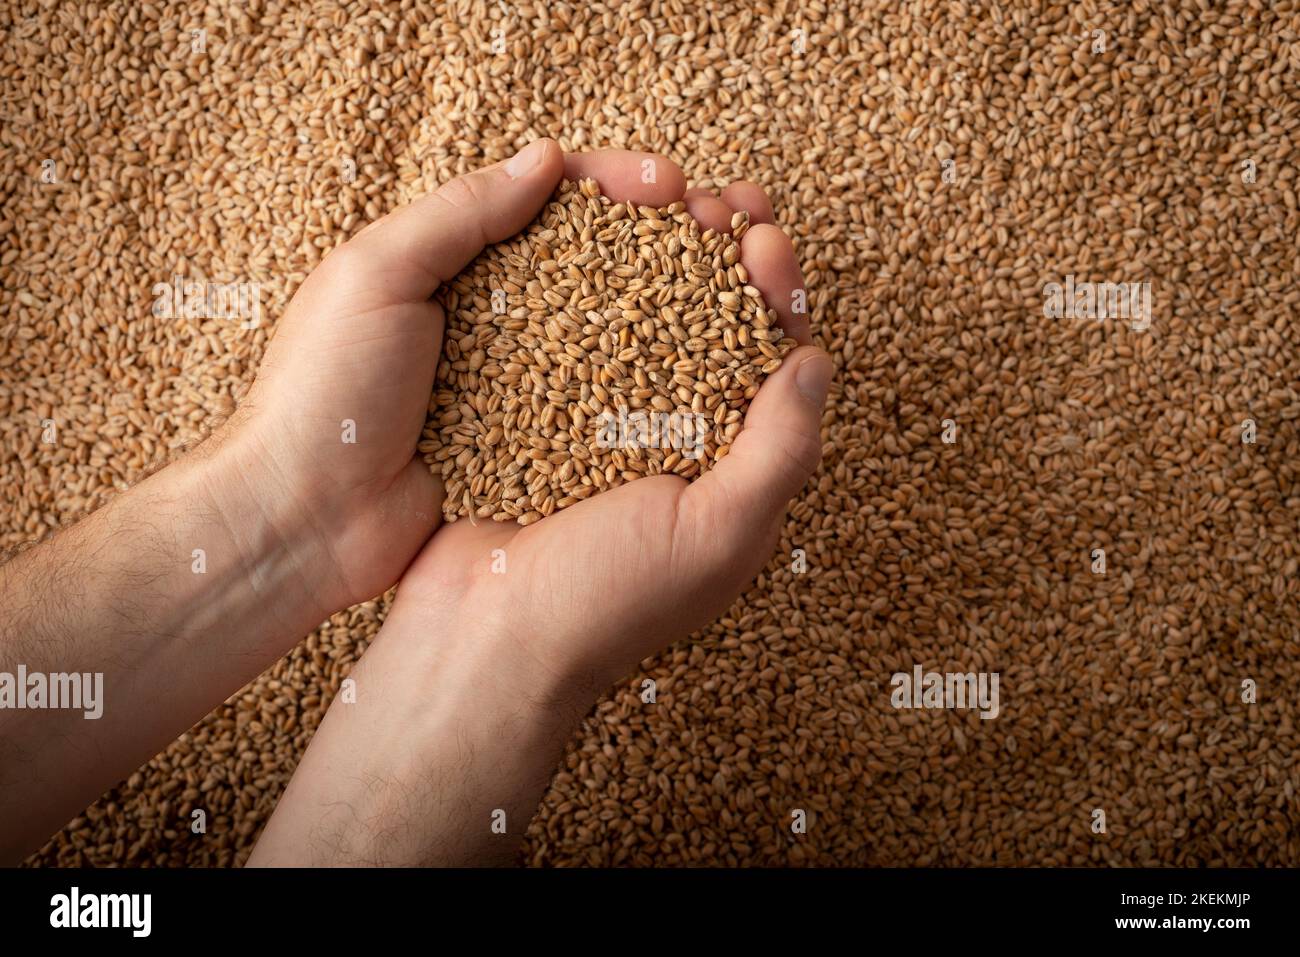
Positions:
{"x": 477, "y": 677}
{"x": 184, "y": 588}
{"x": 591, "y": 590}
{"x": 357, "y": 350}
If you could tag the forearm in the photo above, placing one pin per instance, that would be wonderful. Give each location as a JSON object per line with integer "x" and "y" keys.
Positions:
{"x": 441, "y": 760}
{"x": 176, "y": 593}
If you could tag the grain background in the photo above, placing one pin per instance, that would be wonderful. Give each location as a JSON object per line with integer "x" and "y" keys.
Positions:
{"x": 1119, "y": 692}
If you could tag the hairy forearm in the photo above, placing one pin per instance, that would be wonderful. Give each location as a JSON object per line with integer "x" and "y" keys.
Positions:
{"x": 176, "y": 593}
{"x": 441, "y": 759}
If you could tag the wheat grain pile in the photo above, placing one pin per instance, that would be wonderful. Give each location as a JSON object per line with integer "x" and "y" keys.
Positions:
{"x": 607, "y": 342}
{"x": 937, "y": 165}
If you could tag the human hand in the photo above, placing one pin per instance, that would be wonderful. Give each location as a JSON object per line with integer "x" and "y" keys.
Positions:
{"x": 590, "y": 590}
{"x": 474, "y": 682}
{"x": 356, "y": 352}
{"x": 187, "y": 586}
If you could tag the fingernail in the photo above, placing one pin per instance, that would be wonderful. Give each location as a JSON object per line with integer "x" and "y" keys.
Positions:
{"x": 526, "y": 160}
{"x": 813, "y": 377}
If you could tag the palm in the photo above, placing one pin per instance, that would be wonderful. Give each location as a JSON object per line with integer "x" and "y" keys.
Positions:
{"x": 342, "y": 395}
{"x": 596, "y": 586}
{"x": 360, "y": 378}
{"x": 610, "y": 580}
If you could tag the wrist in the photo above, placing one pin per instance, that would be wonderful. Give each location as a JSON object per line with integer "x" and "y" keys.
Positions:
{"x": 459, "y": 647}
{"x": 281, "y": 533}
{"x": 440, "y": 756}
{"x": 355, "y": 515}
{"x": 473, "y": 640}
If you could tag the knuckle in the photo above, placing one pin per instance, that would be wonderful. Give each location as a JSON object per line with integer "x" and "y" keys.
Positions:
{"x": 463, "y": 193}
{"x": 805, "y": 454}
{"x": 345, "y": 259}
{"x": 344, "y": 266}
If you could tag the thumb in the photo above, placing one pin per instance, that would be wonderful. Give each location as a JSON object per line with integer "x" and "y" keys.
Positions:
{"x": 747, "y": 492}
{"x": 413, "y": 250}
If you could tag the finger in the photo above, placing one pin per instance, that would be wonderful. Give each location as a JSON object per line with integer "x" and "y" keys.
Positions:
{"x": 752, "y": 199}
{"x": 736, "y": 503}
{"x": 768, "y": 256}
{"x": 646, "y": 179}
{"x": 709, "y": 211}
{"x": 410, "y": 252}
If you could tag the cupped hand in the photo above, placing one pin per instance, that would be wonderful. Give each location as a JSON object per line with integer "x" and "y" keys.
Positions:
{"x": 342, "y": 393}
{"x": 577, "y": 599}
{"x": 501, "y": 636}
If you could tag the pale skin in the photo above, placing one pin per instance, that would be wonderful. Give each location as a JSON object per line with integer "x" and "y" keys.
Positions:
{"x": 475, "y": 681}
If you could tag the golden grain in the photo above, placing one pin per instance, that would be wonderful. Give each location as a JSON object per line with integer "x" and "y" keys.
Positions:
{"x": 612, "y": 296}
{"x": 1122, "y": 164}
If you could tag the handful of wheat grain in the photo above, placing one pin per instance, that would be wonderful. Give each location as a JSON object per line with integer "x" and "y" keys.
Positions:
{"x": 606, "y": 342}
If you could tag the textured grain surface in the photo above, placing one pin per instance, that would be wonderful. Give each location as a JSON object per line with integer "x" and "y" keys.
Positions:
{"x": 1167, "y": 156}
{"x": 604, "y": 343}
